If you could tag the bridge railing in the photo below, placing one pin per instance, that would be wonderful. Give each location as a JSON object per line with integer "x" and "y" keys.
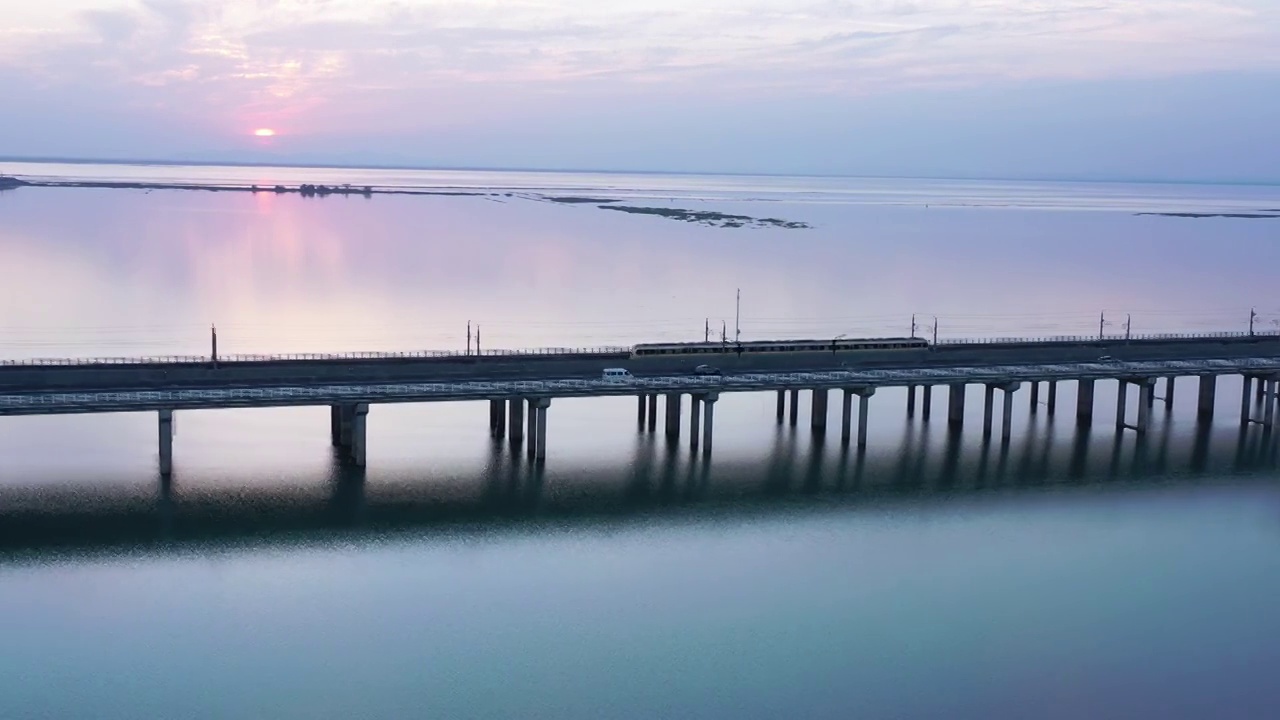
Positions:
{"x": 598, "y": 351}
{"x": 1112, "y": 338}
{"x": 279, "y": 357}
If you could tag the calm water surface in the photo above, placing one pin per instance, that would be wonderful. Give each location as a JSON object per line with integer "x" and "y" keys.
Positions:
{"x": 1066, "y": 575}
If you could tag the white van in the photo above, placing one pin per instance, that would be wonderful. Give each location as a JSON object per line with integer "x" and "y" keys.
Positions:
{"x": 617, "y": 374}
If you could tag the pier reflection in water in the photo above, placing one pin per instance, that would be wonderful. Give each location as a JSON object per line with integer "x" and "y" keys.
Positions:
{"x": 793, "y": 469}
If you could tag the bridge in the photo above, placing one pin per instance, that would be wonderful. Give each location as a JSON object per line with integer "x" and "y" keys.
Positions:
{"x": 520, "y": 385}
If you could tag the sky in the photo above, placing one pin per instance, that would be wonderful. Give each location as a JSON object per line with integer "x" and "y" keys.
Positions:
{"x": 1179, "y": 90}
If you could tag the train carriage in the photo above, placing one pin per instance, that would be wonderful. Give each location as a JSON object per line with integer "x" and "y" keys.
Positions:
{"x": 837, "y": 345}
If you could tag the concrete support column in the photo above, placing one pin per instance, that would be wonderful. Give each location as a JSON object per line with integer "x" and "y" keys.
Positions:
{"x": 864, "y": 404}
{"x": 640, "y": 401}
{"x": 708, "y": 420}
{"x": 695, "y": 419}
{"x": 1146, "y": 393}
{"x": 1035, "y": 397}
{"x": 497, "y": 418}
{"x": 531, "y": 425}
{"x": 955, "y": 406}
{"x": 846, "y": 416}
{"x": 795, "y": 407}
{"x": 1208, "y": 396}
{"x": 782, "y": 404}
{"x": 1168, "y": 392}
{"x": 988, "y": 409}
{"x": 672, "y": 422}
{"x": 1122, "y": 401}
{"x": 166, "y": 442}
{"x": 1006, "y": 422}
{"x": 335, "y": 425}
{"x": 1053, "y": 397}
{"x": 541, "y": 406}
{"x": 653, "y": 412}
{"x": 347, "y": 413}
{"x": 1244, "y": 400}
{"x": 515, "y": 419}
{"x": 926, "y": 403}
{"x": 1084, "y": 402}
{"x": 818, "y": 411}
{"x": 359, "y": 433}
{"x": 1269, "y": 404}
{"x": 911, "y": 401}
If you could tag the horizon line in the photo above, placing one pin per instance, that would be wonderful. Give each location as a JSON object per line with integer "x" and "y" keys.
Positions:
{"x": 511, "y": 169}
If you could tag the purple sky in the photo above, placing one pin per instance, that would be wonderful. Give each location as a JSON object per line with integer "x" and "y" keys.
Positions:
{"x": 1174, "y": 89}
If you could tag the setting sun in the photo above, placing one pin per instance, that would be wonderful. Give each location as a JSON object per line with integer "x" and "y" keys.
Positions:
{"x": 264, "y": 132}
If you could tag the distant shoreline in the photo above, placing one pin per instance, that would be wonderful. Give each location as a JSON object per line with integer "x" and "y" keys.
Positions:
{"x": 305, "y": 189}
{"x": 701, "y": 217}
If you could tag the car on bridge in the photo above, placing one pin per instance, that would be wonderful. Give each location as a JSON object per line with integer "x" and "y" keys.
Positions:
{"x": 707, "y": 370}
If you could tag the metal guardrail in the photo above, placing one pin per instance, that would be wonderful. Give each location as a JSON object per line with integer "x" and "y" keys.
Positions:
{"x": 1229, "y": 335}
{"x": 599, "y": 351}
{"x": 49, "y": 403}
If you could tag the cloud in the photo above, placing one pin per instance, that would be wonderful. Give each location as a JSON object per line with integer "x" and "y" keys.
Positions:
{"x": 358, "y": 69}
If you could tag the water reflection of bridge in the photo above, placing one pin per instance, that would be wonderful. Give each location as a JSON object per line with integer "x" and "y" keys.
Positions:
{"x": 795, "y": 473}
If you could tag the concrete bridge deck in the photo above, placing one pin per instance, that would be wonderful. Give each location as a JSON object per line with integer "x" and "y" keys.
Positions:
{"x": 516, "y": 382}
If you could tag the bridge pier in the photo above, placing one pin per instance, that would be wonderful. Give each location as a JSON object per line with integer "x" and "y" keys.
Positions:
{"x": 497, "y": 418}
{"x": 1169, "y": 383}
{"x": 818, "y": 410}
{"x": 695, "y": 420}
{"x": 782, "y": 404}
{"x": 531, "y": 425}
{"x": 988, "y": 409}
{"x": 1244, "y": 400}
{"x": 1146, "y": 387}
{"x": 672, "y": 423}
{"x": 346, "y": 414}
{"x": 846, "y": 414}
{"x": 1052, "y": 402}
{"x": 708, "y": 420}
{"x": 335, "y": 425}
{"x": 359, "y": 434}
{"x": 911, "y": 401}
{"x": 640, "y": 411}
{"x": 795, "y": 407}
{"x": 653, "y": 411}
{"x": 955, "y": 406}
{"x": 1208, "y": 396}
{"x": 1035, "y": 397}
{"x": 1084, "y": 402}
{"x": 926, "y": 402}
{"x": 1006, "y": 421}
{"x": 1269, "y": 404}
{"x": 166, "y": 442}
{"x": 515, "y": 420}
{"x": 540, "y": 454}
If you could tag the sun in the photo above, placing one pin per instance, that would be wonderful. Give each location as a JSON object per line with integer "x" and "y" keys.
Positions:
{"x": 264, "y": 132}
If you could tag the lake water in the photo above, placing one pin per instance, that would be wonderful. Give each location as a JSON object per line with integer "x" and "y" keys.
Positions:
{"x": 1067, "y": 575}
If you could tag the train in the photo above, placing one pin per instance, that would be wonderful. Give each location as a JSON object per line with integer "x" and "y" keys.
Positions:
{"x": 836, "y": 345}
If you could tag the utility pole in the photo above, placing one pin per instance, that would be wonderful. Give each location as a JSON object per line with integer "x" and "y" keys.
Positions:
{"x": 913, "y": 326}
{"x": 477, "y": 339}
{"x": 724, "y": 333}
{"x": 737, "y": 318}
{"x": 935, "y": 330}
{"x": 1102, "y": 321}
{"x": 706, "y": 331}
{"x": 1253, "y": 314}
{"x": 1128, "y": 326}
{"x": 468, "y": 337}
{"x": 213, "y": 343}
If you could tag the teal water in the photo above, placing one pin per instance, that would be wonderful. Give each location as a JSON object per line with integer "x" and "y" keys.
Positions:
{"x": 1069, "y": 575}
